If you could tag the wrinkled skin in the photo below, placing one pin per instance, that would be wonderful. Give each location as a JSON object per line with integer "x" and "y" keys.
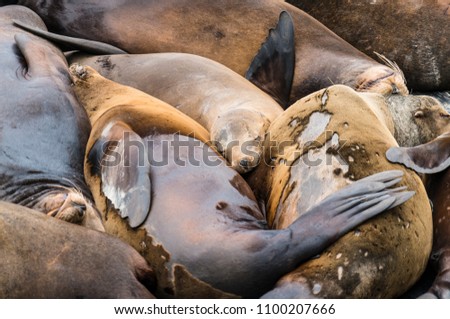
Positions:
{"x": 46, "y": 258}
{"x": 230, "y": 32}
{"x": 43, "y": 129}
{"x": 414, "y": 34}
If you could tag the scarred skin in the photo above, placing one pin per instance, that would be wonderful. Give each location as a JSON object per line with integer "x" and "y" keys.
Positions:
{"x": 414, "y": 34}
{"x": 433, "y": 159}
{"x": 230, "y": 32}
{"x": 46, "y": 258}
{"x": 194, "y": 219}
{"x": 328, "y": 140}
{"x": 43, "y": 129}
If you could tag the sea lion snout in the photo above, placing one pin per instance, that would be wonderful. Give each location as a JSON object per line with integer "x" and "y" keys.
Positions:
{"x": 78, "y": 72}
{"x": 72, "y": 207}
{"x": 383, "y": 80}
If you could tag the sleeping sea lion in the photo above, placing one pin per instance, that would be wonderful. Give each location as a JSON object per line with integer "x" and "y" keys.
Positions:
{"x": 195, "y": 220}
{"x": 318, "y": 146}
{"x": 43, "y": 129}
{"x": 46, "y": 258}
{"x": 415, "y": 34}
{"x": 234, "y": 111}
{"x": 230, "y": 32}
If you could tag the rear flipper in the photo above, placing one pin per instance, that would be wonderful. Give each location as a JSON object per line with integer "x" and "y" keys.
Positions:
{"x": 347, "y": 208}
{"x": 441, "y": 285}
{"x": 66, "y": 43}
{"x": 430, "y": 158}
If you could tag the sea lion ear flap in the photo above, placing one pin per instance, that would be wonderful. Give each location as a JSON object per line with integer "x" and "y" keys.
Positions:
{"x": 272, "y": 69}
{"x": 125, "y": 172}
{"x": 430, "y": 158}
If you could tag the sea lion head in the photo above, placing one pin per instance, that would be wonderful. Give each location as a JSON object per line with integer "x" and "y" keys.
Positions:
{"x": 385, "y": 79}
{"x": 239, "y": 139}
{"x": 72, "y": 206}
{"x": 417, "y": 119}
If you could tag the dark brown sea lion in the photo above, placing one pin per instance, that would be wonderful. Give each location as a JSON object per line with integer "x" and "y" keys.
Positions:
{"x": 203, "y": 233}
{"x": 230, "y": 32}
{"x": 45, "y": 258}
{"x": 234, "y": 111}
{"x": 43, "y": 129}
{"x": 414, "y": 33}
{"x": 325, "y": 142}
{"x": 434, "y": 158}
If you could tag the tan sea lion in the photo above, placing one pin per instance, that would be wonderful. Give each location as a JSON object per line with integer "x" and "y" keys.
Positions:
{"x": 234, "y": 111}
{"x": 46, "y": 258}
{"x": 433, "y": 159}
{"x": 321, "y": 144}
{"x": 231, "y": 33}
{"x": 199, "y": 226}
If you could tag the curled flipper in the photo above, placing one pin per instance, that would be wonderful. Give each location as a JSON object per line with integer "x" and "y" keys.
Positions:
{"x": 66, "y": 43}
{"x": 349, "y": 207}
{"x": 120, "y": 158}
{"x": 272, "y": 69}
{"x": 430, "y": 158}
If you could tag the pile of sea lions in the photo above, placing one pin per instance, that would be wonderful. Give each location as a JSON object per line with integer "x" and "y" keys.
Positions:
{"x": 225, "y": 149}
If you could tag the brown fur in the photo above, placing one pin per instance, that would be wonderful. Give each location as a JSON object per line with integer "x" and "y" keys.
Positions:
{"x": 380, "y": 258}
{"x": 43, "y": 257}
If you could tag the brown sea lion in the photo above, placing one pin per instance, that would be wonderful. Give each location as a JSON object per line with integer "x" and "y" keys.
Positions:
{"x": 203, "y": 233}
{"x": 434, "y": 158}
{"x": 321, "y": 144}
{"x": 45, "y": 258}
{"x": 43, "y": 129}
{"x": 234, "y": 111}
{"x": 230, "y": 32}
{"x": 414, "y": 33}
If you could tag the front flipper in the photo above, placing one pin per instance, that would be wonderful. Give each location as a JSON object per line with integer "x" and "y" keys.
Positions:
{"x": 120, "y": 157}
{"x": 342, "y": 211}
{"x": 430, "y": 158}
{"x": 272, "y": 69}
{"x": 66, "y": 43}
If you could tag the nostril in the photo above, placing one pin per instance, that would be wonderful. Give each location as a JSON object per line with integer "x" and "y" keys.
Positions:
{"x": 244, "y": 163}
{"x": 79, "y": 206}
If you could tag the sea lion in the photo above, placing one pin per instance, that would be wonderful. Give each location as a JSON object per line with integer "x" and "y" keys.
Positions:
{"x": 234, "y": 111}
{"x": 219, "y": 245}
{"x": 231, "y": 33}
{"x": 43, "y": 128}
{"x": 318, "y": 146}
{"x": 412, "y": 33}
{"x": 46, "y": 258}
{"x": 434, "y": 158}
{"x": 417, "y": 119}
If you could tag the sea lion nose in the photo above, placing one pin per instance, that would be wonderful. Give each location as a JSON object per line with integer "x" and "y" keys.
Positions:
{"x": 79, "y": 207}
{"x": 247, "y": 163}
